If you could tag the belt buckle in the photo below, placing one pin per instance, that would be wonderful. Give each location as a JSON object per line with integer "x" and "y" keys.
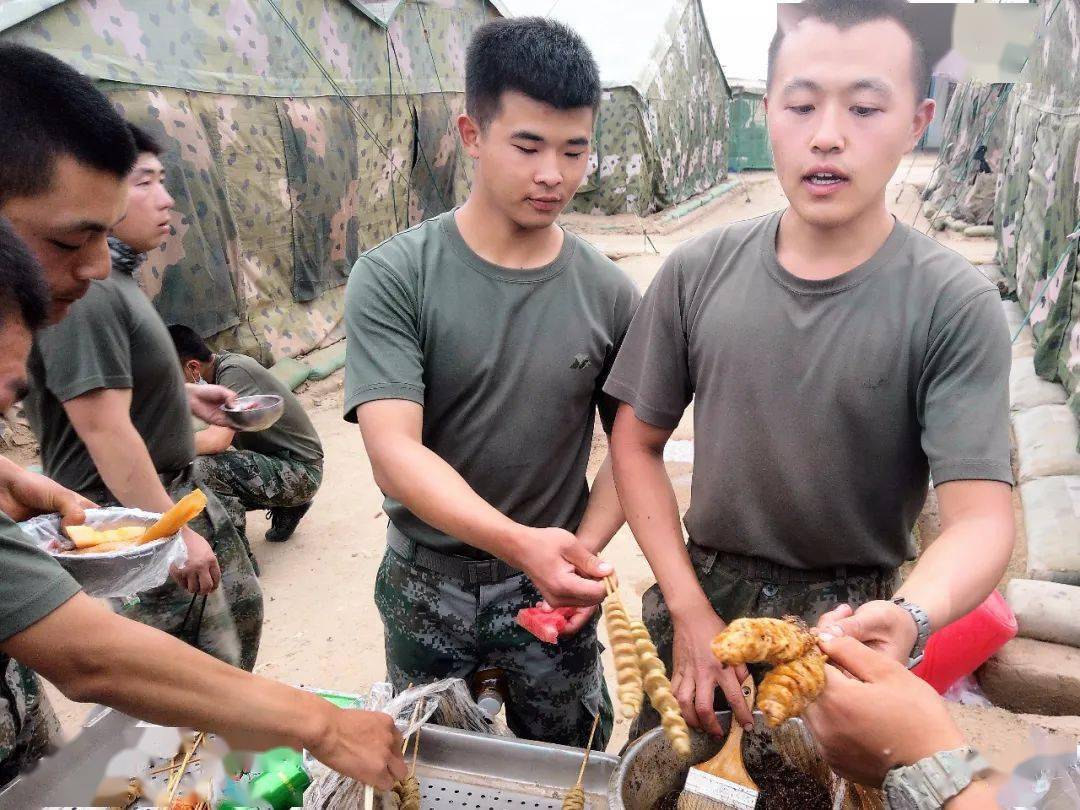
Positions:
{"x": 482, "y": 572}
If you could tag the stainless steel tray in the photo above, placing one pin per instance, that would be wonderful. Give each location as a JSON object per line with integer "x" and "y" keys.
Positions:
{"x": 458, "y": 769}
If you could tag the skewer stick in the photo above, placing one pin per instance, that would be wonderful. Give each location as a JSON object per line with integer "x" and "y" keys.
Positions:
{"x": 174, "y": 780}
{"x": 609, "y": 584}
{"x": 415, "y": 754}
{"x": 415, "y": 714}
{"x": 588, "y": 750}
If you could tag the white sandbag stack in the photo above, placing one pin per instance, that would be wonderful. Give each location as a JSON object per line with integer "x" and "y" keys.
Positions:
{"x": 1039, "y": 671}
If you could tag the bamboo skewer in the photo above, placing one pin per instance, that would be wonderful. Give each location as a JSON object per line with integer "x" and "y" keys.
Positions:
{"x": 575, "y": 799}
{"x": 174, "y": 780}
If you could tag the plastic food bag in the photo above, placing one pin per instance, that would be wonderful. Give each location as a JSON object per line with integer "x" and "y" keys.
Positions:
{"x": 447, "y": 703}
{"x": 116, "y": 574}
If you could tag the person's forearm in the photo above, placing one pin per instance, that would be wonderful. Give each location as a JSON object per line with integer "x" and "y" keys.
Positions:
{"x": 124, "y": 463}
{"x": 979, "y": 795}
{"x": 437, "y": 494}
{"x": 959, "y": 569}
{"x": 213, "y": 440}
{"x": 105, "y": 658}
{"x": 652, "y": 511}
{"x": 604, "y": 514}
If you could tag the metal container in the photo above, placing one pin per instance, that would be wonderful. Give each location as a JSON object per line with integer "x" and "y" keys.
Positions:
{"x": 254, "y": 413}
{"x": 460, "y": 769}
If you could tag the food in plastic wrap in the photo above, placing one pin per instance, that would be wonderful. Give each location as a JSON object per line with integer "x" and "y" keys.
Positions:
{"x": 627, "y": 672}
{"x": 766, "y": 641}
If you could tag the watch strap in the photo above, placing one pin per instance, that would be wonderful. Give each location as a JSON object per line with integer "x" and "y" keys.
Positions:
{"x": 922, "y": 625}
{"x": 930, "y": 782}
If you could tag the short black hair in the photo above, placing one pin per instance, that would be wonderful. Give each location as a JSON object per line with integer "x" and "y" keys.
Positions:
{"x": 537, "y": 56}
{"x": 23, "y": 292}
{"x": 144, "y": 141}
{"x": 47, "y": 110}
{"x": 844, "y": 14}
{"x": 189, "y": 346}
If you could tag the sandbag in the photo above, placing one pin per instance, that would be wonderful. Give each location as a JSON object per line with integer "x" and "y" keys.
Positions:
{"x": 1046, "y": 441}
{"x": 1028, "y": 390}
{"x": 1023, "y": 345}
{"x": 290, "y": 371}
{"x": 325, "y": 362}
{"x": 1046, "y": 611}
{"x": 979, "y": 231}
{"x": 1052, "y": 524}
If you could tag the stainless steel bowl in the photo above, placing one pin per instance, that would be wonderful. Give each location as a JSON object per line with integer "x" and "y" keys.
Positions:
{"x": 254, "y": 413}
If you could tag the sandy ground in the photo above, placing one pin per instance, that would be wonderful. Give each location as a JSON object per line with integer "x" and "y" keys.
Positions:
{"x": 321, "y": 626}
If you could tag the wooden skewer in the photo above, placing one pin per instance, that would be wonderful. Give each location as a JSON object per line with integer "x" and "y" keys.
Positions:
{"x": 415, "y": 754}
{"x": 174, "y": 780}
{"x": 415, "y": 714}
{"x": 588, "y": 750}
{"x": 172, "y": 767}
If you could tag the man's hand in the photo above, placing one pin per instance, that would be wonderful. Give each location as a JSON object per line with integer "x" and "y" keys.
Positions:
{"x": 565, "y": 572}
{"x": 24, "y": 494}
{"x": 205, "y": 402}
{"x": 880, "y": 624}
{"x": 696, "y": 673}
{"x": 361, "y": 744}
{"x": 880, "y": 717}
{"x": 201, "y": 573}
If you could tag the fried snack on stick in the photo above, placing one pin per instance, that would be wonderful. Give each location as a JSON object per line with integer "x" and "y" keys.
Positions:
{"x": 790, "y": 687}
{"x": 575, "y": 799}
{"x": 408, "y": 793}
{"x": 184, "y": 510}
{"x": 769, "y": 641}
{"x": 627, "y": 672}
{"x": 658, "y": 688}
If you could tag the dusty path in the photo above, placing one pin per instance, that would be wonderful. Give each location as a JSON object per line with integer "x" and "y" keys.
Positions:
{"x": 322, "y": 628}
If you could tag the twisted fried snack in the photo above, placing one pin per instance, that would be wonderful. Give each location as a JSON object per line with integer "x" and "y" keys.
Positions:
{"x": 658, "y": 688}
{"x": 408, "y": 793}
{"x": 575, "y": 800}
{"x": 769, "y": 641}
{"x": 626, "y": 663}
{"x": 790, "y": 687}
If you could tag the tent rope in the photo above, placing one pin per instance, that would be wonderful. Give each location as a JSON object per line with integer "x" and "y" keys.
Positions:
{"x": 390, "y": 113}
{"x": 442, "y": 92}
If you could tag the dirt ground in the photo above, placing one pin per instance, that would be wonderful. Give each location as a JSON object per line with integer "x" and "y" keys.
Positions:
{"x": 322, "y": 628}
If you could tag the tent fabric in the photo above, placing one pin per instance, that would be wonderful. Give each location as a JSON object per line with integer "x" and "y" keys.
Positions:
{"x": 661, "y": 133}
{"x": 1038, "y": 197}
{"x": 279, "y": 182}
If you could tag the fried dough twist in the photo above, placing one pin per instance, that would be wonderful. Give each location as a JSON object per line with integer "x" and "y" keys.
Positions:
{"x": 626, "y": 663}
{"x": 769, "y": 641}
{"x": 658, "y": 688}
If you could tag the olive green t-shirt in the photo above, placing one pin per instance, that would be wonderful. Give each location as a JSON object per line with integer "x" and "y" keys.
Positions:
{"x": 113, "y": 338}
{"x": 820, "y": 407}
{"x": 32, "y": 584}
{"x": 508, "y": 365}
{"x": 292, "y": 435}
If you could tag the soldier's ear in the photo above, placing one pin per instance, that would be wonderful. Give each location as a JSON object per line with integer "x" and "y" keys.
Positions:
{"x": 470, "y": 134}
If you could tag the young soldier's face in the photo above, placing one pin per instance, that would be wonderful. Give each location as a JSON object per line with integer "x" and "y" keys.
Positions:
{"x": 841, "y": 114}
{"x": 65, "y": 228}
{"x": 146, "y": 223}
{"x": 530, "y": 158}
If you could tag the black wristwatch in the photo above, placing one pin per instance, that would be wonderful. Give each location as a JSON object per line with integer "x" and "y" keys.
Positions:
{"x": 922, "y": 624}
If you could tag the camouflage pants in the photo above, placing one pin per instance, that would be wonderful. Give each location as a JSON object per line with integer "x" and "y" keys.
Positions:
{"x": 28, "y": 725}
{"x": 245, "y": 481}
{"x": 227, "y": 624}
{"x": 734, "y": 593}
{"x": 439, "y": 628}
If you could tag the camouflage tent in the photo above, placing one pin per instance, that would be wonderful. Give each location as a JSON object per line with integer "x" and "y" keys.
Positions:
{"x": 661, "y": 133}
{"x": 973, "y": 137}
{"x": 298, "y": 133}
{"x": 1037, "y": 207}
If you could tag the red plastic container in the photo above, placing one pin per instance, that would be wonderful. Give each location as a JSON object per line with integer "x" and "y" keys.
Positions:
{"x": 958, "y": 649}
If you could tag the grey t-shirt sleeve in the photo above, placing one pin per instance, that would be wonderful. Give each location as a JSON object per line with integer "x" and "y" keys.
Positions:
{"x": 239, "y": 381}
{"x": 625, "y": 307}
{"x": 651, "y": 373}
{"x": 383, "y": 356}
{"x": 963, "y": 394}
{"x": 89, "y": 349}
{"x": 33, "y": 584}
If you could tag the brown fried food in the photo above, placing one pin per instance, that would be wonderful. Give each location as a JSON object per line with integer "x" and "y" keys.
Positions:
{"x": 575, "y": 800}
{"x": 658, "y": 688}
{"x": 769, "y": 641}
{"x": 408, "y": 793}
{"x": 790, "y": 687}
{"x": 627, "y": 672}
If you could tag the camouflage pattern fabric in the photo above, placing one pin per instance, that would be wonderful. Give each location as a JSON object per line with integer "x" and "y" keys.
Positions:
{"x": 733, "y": 594}
{"x": 438, "y": 628}
{"x": 280, "y": 180}
{"x": 226, "y": 624}
{"x": 660, "y": 145}
{"x": 244, "y": 481}
{"x": 1037, "y": 205}
{"x": 28, "y": 725}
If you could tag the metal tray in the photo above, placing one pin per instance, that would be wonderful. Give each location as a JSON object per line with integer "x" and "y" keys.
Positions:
{"x": 459, "y": 770}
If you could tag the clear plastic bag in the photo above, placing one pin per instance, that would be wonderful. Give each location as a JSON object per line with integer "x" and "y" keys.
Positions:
{"x": 117, "y": 574}
{"x": 447, "y": 703}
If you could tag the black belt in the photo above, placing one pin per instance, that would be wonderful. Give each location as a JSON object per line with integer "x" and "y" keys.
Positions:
{"x": 470, "y": 572}
{"x": 764, "y": 570}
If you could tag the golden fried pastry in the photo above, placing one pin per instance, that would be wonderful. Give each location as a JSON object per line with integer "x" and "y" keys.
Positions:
{"x": 790, "y": 687}
{"x": 769, "y": 641}
{"x": 575, "y": 800}
{"x": 658, "y": 688}
{"x": 626, "y": 663}
{"x": 408, "y": 793}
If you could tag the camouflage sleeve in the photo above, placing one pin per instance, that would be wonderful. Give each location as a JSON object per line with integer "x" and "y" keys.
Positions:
{"x": 383, "y": 356}
{"x": 963, "y": 395}
{"x": 651, "y": 372}
{"x": 89, "y": 349}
